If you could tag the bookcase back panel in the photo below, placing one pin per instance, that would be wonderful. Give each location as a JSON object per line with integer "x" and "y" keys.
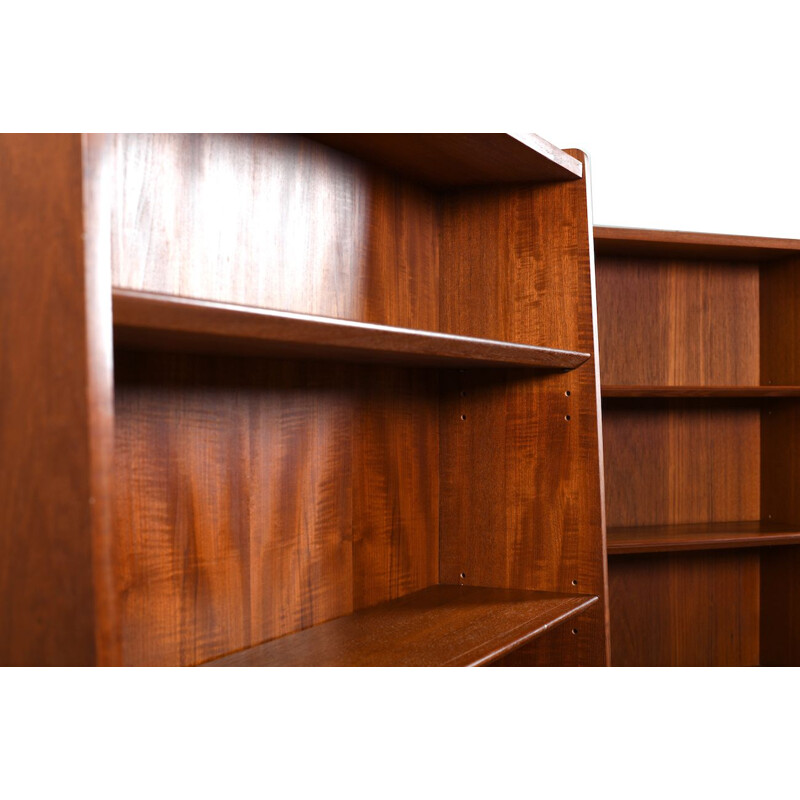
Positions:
{"x": 685, "y": 609}
{"x": 257, "y": 498}
{"x": 675, "y": 462}
{"x": 678, "y": 322}
{"x": 521, "y": 500}
{"x": 274, "y": 221}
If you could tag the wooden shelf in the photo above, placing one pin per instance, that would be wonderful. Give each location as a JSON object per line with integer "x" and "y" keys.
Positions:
{"x": 700, "y": 391}
{"x": 700, "y": 246}
{"x": 162, "y": 322}
{"x": 438, "y": 626}
{"x": 460, "y": 159}
{"x": 704, "y": 536}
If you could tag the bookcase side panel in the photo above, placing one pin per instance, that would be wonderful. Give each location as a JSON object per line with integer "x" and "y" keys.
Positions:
{"x": 521, "y": 497}
{"x": 780, "y": 461}
{"x": 55, "y": 417}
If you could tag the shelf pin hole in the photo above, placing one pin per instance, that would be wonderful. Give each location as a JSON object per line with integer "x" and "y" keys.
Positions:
{"x": 567, "y": 417}
{"x": 568, "y": 393}
{"x": 463, "y": 575}
{"x": 575, "y": 583}
{"x": 463, "y": 416}
{"x": 574, "y": 631}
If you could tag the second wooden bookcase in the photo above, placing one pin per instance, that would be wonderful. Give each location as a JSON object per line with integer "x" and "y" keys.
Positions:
{"x": 700, "y": 367}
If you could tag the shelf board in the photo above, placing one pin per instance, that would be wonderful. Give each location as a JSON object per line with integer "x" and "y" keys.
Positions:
{"x": 699, "y": 391}
{"x": 702, "y": 246}
{"x": 460, "y": 159}
{"x": 163, "y": 322}
{"x": 702, "y": 536}
{"x": 455, "y": 626}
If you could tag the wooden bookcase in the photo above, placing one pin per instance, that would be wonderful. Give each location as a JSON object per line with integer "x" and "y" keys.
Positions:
{"x": 298, "y": 400}
{"x": 700, "y": 369}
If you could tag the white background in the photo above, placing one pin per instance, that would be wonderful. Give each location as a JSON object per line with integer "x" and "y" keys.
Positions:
{"x": 689, "y": 114}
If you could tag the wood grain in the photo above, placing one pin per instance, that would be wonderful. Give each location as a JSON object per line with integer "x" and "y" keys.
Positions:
{"x": 271, "y": 221}
{"x": 681, "y": 461}
{"x": 685, "y": 609}
{"x": 714, "y": 320}
{"x": 683, "y": 245}
{"x": 54, "y": 411}
{"x": 520, "y": 455}
{"x": 706, "y": 536}
{"x": 678, "y": 323}
{"x": 162, "y": 322}
{"x": 700, "y": 391}
{"x": 461, "y": 159}
{"x": 258, "y": 498}
{"x": 436, "y": 627}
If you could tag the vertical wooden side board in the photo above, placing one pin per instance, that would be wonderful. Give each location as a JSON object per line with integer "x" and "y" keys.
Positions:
{"x": 55, "y": 414}
{"x": 522, "y": 502}
{"x": 780, "y": 461}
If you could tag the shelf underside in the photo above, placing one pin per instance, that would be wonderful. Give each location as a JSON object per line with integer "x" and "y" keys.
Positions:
{"x": 701, "y": 536}
{"x": 163, "y": 322}
{"x": 699, "y": 246}
{"x": 700, "y": 391}
{"x": 460, "y": 159}
{"x": 438, "y": 626}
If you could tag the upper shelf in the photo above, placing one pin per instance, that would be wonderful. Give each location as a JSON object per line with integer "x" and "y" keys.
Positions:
{"x": 699, "y": 391}
{"x": 164, "y": 322}
{"x": 665, "y": 244}
{"x": 441, "y": 626}
{"x": 460, "y": 159}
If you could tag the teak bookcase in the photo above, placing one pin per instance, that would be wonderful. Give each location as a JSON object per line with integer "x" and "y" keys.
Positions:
{"x": 700, "y": 365}
{"x": 295, "y": 399}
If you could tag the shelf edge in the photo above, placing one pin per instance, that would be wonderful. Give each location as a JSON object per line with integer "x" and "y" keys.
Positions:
{"x": 167, "y": 322}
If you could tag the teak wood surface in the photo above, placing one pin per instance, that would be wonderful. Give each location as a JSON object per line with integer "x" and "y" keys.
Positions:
{"x": 701, "y": 371}
{"x": 161, "y": 322}
{"x": 442, "y": 626}
{"x": 171, "y": 508}
{"x": 699, "y": 391}
{"x": 464, "y": 159}
{"x": 55, "y": 413}
{"x": 703, "y": 536}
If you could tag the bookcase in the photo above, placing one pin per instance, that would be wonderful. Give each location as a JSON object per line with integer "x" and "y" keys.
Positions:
{"x": 299, "y": 400}
{"x": 700, "y": 369}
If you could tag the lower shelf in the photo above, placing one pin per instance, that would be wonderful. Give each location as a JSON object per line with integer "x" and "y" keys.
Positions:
{"x": 702, "y": 536}
{"x": 447, "y": 626}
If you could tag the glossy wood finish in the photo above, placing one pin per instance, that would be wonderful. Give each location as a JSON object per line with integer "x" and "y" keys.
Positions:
{"x": 247, "y": 495}
{"x": 150, "y": 321}
{"x": 705, "y": 536}
{"x": 700, "y": 391}
{"x": 461, "y": 159}
{"x": 443, "y": 626}
{"x": 272, "y": 221}
{"x": 510, "y": 445}
{"x": 693, "y": 246}
{"x": 678, "y": 323}
{"x": 685, "y": 609}
{"x": 54, "y": 414}
{"x": 681, "y": 462}
{"x": 258, "y": 498}
{"x": 701, "y": 424}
